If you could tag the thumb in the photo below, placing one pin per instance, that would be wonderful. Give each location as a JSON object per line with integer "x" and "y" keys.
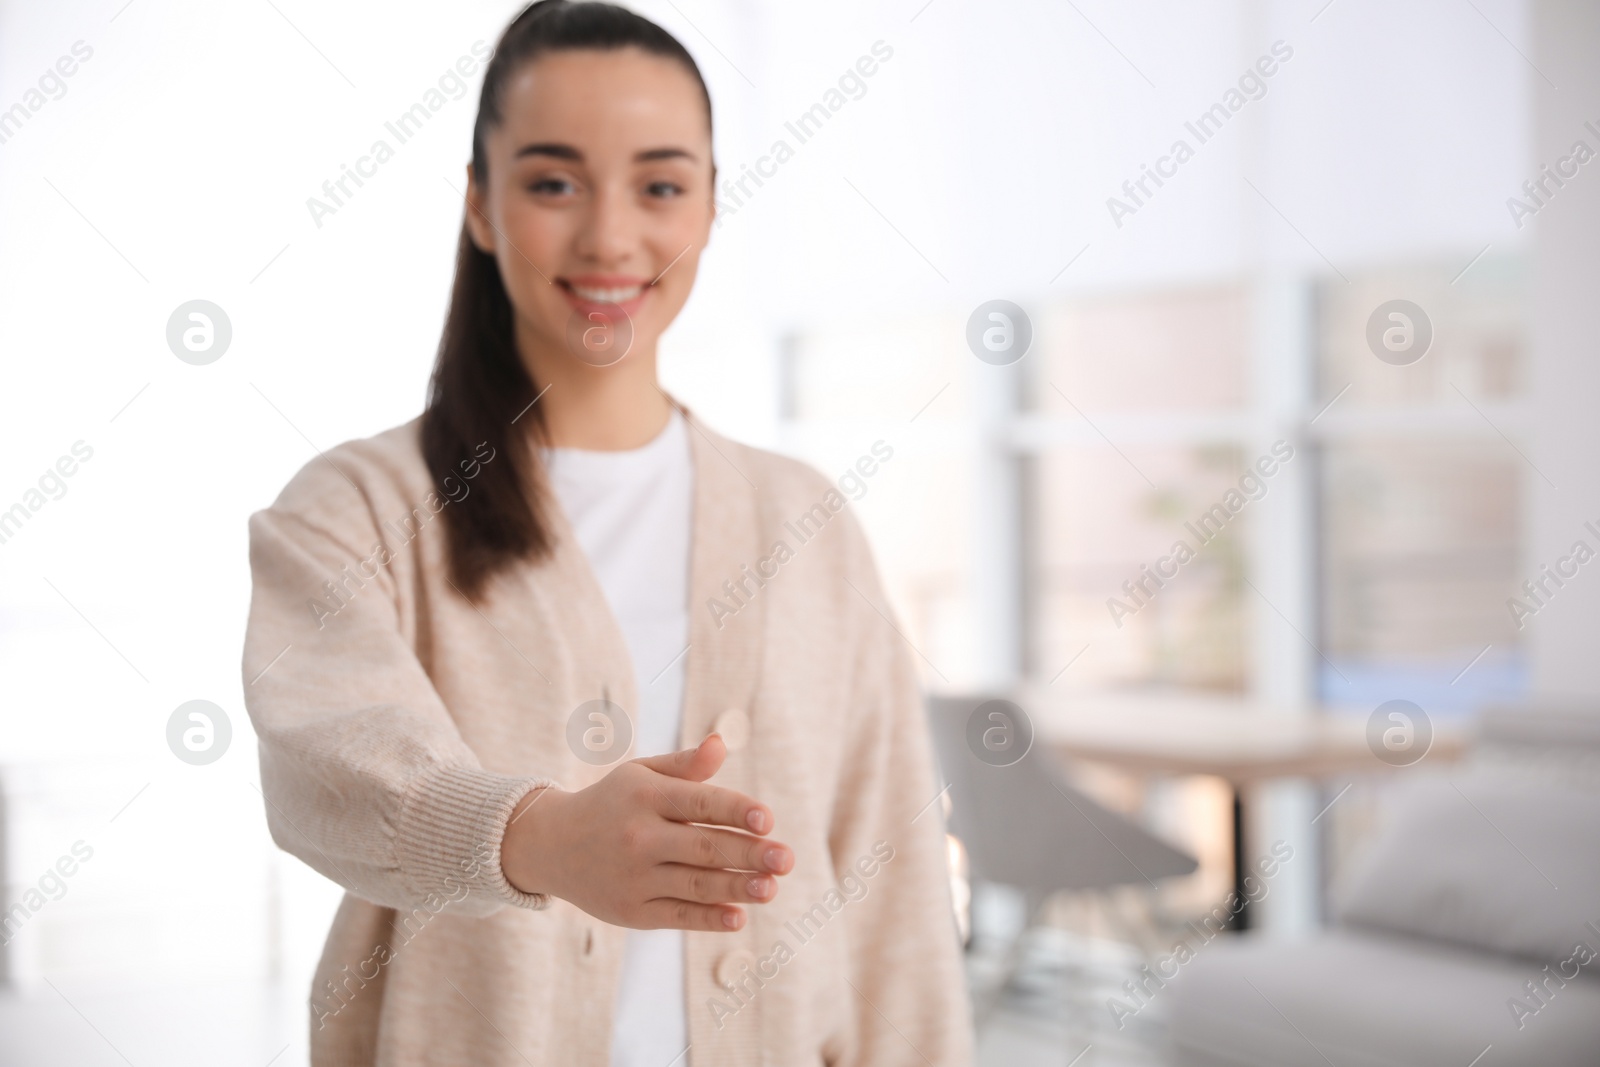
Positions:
{"x": 691, "y": 764}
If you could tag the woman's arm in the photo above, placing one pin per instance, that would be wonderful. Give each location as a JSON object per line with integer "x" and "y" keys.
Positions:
{"x": 366, "y": 777}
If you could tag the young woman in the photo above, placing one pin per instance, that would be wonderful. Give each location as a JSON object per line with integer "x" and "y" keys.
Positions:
{"x": 595, "y": 714}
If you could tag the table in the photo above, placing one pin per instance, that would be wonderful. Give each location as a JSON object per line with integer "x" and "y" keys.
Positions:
{"x": 1243, "y": 742}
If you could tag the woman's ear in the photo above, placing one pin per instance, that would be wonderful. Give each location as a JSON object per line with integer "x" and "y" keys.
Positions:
{"x": 477, "y": 221}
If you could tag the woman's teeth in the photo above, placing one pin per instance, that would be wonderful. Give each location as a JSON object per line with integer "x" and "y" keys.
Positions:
{"x": 607, "y": 296}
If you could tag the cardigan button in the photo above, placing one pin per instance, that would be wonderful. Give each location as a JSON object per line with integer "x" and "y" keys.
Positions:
{"x": 588, "y": 940}
{"x": 734, "y": 726}
{"x": 732, "y": 965}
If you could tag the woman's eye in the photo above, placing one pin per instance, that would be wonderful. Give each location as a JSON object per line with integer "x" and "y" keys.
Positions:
{"x": 550, "y": 186}
{"x": 664, "y": 189}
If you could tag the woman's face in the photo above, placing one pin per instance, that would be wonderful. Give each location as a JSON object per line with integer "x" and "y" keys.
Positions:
{"x": 598, "y": 199}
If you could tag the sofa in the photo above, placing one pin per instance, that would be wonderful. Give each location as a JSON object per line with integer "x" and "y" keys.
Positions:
{"x": 1467, "y": 934}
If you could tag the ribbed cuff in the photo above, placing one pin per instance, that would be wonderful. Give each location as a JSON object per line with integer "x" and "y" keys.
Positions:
{"x": 450, "y": 829}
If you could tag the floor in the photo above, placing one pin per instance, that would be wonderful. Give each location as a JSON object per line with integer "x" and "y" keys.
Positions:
{"x": 1052, "y": 1009}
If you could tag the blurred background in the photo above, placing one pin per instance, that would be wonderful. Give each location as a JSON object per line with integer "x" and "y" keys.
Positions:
{"x": 1172, "y": 317}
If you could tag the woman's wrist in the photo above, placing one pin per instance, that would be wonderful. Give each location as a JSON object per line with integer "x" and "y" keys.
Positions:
{"x": 521, "y": 848}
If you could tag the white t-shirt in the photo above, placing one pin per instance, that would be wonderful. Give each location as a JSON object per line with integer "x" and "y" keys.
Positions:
{"x": 631, "y": 512}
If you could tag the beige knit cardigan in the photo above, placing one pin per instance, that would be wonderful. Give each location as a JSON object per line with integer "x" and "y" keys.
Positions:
{"x": 399, "y": 724}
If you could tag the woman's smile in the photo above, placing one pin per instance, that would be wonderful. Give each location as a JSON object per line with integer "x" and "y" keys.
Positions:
{"x": 604, "y": 293}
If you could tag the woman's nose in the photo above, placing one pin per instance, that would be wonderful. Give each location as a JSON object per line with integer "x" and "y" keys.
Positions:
{"x": 610, "y": 230}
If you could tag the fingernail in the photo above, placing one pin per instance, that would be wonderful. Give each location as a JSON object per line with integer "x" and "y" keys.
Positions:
{"x": 759, "y": 888}
{"x": 773, "y": 858}
{"x": 730, "y": 919}
{"x": 757, "y": 820}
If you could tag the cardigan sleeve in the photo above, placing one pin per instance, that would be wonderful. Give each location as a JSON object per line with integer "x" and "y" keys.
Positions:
{"x": 363, "y": 771}
{"x": 908, "y": 995}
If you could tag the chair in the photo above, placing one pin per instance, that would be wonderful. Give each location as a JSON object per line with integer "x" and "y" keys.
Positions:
{"x": 1024, "y": 826}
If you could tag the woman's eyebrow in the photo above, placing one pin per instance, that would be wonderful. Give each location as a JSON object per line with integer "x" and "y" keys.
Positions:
{"x": 568, "y": 152}
{"x": 650, "y": 155}
{"x": 559, "y": 151}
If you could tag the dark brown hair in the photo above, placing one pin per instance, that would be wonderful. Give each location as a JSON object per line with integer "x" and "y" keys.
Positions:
{"x": 480, "y": 391}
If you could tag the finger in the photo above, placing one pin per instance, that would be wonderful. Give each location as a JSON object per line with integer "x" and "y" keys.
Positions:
{"x": 665, "y": 913}
{"x": 683, "y": 801}
{"x": 707, "y": 846}
{"x": 704, "y": 885}
{"x": 694, "y": 764}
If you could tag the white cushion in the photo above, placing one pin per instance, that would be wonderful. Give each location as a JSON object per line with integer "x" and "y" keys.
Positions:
{"x": 1498, "y": 862}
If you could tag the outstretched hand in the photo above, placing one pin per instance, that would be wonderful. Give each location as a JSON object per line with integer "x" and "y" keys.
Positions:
{"x": 646, "y": 846}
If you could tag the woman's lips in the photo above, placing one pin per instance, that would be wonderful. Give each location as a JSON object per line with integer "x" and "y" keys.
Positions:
{"x": 605, "y": 297}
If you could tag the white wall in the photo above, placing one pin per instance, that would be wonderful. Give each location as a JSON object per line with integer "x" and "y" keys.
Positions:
{"x": 1566, "y": 374}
